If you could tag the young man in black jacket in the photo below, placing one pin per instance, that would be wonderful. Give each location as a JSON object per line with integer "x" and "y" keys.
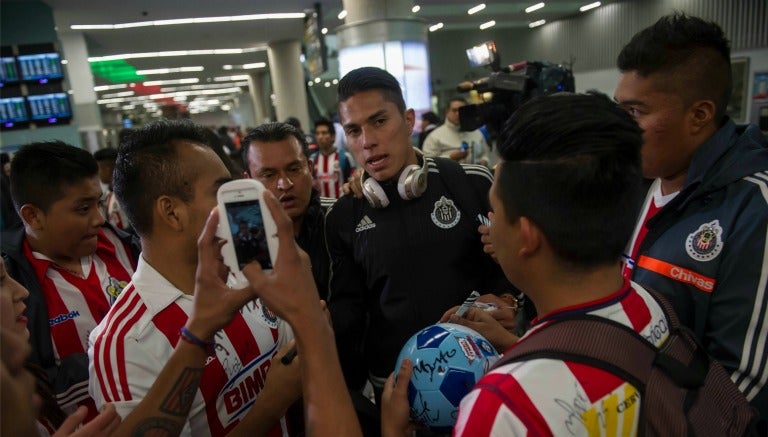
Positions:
{"x": 408, "y": 251}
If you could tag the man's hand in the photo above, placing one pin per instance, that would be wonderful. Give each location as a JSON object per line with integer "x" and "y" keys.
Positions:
{"x": 484, "y": 323}
{"x": 506, "y": 308}
{"x": 102, "y": 425}
{"x": 354, "y": 184}
{"x": 395, "y": 409}
{"x": 458, "y": 155}
{"x": 215, "y": 303}
{"x": 485, "y": 238}
{"x": 284, "y": 380}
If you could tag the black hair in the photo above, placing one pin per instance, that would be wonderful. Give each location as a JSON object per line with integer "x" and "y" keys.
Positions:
{"x": 108, "y": 154}
{"x": 293, "y": 121}
{"x": 4, "y": 157}
{"x": 692, "y": 54}
{"x": 454, "y": 99}
{"x": 327, "y": 123}
{"x": 571, "y": 165}
{"x": 271, "y": 133}
{"x": 41, "y": 171}
{"x": 123, "y": 134}
{"x": 148, "y": 167}
{"x": 431, "y": 117}
{"x": 372, "y": 78}
{"x": 216, "y": 143}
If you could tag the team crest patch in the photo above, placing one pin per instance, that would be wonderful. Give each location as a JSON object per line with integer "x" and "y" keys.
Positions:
{"x": 115, "y": 287}
{"x": 445, "y": 215}
{"x": 706, "y": 243}
{"x": 269, "y": 317}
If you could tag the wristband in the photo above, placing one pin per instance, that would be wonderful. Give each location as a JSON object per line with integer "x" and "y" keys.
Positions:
{"x": 209, "y": 347}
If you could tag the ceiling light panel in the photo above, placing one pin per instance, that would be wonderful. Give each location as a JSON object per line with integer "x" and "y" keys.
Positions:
{"x": 476, "y": 9}
{"x": 487, "y": 24}
{"x": 171, "y": 70}
{"x": 252, "y": 17}
{"x": 535, "y": 7}
{"x": 589, "y": 6}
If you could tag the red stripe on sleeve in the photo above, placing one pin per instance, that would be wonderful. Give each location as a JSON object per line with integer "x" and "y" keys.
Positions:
{"x": 511, "y": 394}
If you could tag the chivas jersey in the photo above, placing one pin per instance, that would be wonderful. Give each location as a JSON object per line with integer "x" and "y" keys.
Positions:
{"x": 130, "y": 347}
{"x": 115, "y": 213}
{"x": 329, "y": 174}
{"x": 548, "y": 397}
{"x": 76, "y": 304}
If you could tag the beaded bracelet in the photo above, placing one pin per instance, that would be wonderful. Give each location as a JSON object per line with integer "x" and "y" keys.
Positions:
{"x": 209, "y": 347}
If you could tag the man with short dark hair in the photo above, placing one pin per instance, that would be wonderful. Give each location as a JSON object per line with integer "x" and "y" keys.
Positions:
{"x": 114, "y": 213}
{"x": 700, "y": 237}
{"x": 448, "y": 141}
{"x": 166, "y": 178}
{"x": 73, "y": 264}
{"x": 563, "y": 199}
{"x": 410, "y": 249}
{"x": 274, "y": 154}
{"x": 332, "y": 167}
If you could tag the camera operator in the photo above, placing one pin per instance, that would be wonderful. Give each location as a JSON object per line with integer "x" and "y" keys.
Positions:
{"x": 448, "y": 141}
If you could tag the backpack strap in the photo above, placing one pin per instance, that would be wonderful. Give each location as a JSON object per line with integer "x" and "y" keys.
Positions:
{"x": 616, "y": 348}
{"x": 590, "y": 340}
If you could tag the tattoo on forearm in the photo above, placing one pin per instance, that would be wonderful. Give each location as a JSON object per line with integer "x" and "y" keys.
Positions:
{"x": 180, "y": 399}
{"x": 157, "y": 427}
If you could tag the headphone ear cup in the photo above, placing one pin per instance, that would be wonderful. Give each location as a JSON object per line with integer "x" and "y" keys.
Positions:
{"x": 408, "y": 183}
{"x": 374, "y": 194}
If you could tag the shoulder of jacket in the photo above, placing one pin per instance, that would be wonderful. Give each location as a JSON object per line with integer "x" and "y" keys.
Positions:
{"x": 326, "y": 203}
{"x": 477, "y": 170}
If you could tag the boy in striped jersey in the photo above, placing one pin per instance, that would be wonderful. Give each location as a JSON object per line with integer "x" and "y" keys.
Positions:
{"x": 166, "y": 178}
{"x": 332, "y": 167}
{"x": 563, "y": 201}
{"x": 72, "y": 262}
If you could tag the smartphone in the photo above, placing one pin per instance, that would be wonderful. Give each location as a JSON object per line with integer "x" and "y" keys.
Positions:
{"x": 247, "y": 226}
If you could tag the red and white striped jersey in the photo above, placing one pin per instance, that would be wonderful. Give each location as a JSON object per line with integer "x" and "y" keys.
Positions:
{"x": 547, "y": 397}
{"x": 115, "y": 213}
{"x": 77, "y": 304}
{"x": 130, "y": 347}
{"x": 328, "y": 174}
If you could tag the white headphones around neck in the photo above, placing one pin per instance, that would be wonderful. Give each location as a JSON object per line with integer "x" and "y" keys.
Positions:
{"x": 411, "y": 184}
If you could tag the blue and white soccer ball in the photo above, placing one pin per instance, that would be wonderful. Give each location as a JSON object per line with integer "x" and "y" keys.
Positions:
{"x": 448, "y": 359}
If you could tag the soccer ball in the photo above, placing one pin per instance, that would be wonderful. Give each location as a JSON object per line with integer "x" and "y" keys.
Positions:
{"x": 448, "y": 360}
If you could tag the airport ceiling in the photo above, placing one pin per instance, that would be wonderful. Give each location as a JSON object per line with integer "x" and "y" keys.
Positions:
{"x": 251, "y": 35}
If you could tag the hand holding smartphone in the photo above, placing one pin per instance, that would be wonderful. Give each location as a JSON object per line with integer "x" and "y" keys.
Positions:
{"x": 247, "y": 226}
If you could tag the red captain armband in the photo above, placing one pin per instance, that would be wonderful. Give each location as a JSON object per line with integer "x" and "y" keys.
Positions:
{"x": 209, "y": 347}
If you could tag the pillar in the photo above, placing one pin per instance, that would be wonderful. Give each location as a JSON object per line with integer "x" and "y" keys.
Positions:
{"x": 256, "y": 91}
{"x": 80, "y": 78}
{"x": 288, "y": 84}
{"x": 385, "y": 34}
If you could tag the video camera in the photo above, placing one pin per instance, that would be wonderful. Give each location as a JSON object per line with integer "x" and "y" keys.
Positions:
{"x": 511, "y": 87}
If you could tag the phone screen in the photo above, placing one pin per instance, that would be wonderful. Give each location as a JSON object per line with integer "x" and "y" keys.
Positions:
{"x": 248, "y": 234}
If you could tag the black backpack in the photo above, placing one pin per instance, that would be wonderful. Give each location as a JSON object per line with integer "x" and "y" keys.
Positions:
{"x": 683, "y": 391}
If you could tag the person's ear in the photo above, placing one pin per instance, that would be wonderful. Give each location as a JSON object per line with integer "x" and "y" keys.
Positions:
{"x": 33, "y": 216}
{"x": 410, "y": 118}
{"x": 701, "y": 114}
{"x": 530, "y": 238}
{"x": 171, "y": 212}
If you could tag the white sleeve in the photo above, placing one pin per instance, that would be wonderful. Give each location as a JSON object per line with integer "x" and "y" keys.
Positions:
{"x": 122, "y": 370}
